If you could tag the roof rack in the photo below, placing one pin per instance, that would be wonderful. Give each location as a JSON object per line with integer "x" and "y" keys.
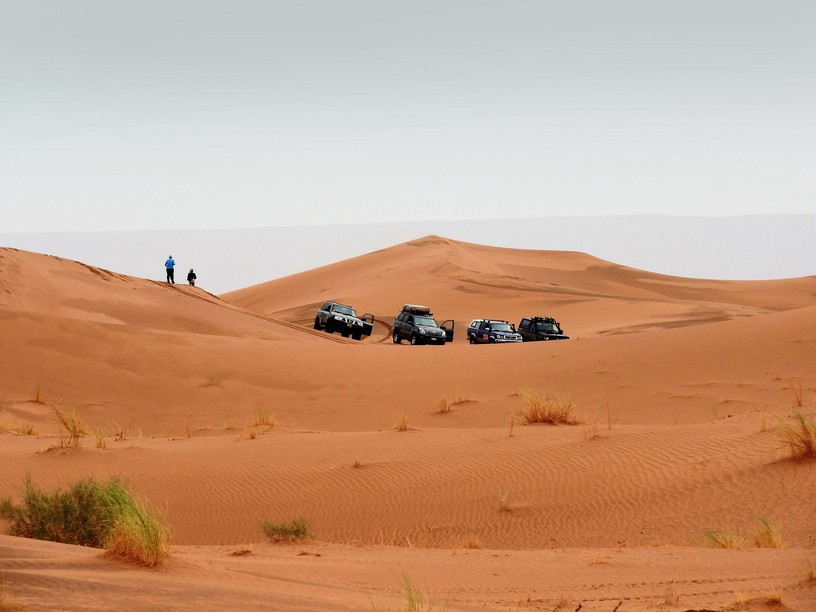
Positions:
{"x": 417, "y": 309}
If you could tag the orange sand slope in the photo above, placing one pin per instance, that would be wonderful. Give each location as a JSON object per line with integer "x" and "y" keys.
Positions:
{"x": 680, "y": 387}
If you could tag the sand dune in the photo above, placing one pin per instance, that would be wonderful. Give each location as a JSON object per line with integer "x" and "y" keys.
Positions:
{"x": 680, "y": 386}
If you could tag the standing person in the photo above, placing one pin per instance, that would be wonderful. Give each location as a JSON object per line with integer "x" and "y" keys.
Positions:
{"x": 170, "y": 267}
{"x": 191, "y": 276}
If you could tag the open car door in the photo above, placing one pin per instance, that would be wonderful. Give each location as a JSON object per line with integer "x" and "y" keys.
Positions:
{"x": 368, "y": 323}
{"x": 447, "y": 326}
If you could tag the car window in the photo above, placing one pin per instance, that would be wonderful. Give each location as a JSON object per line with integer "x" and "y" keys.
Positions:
{"x": 346, "y": 310}
{"x": 498, "y": 326}
{"x": 425, "y": 321}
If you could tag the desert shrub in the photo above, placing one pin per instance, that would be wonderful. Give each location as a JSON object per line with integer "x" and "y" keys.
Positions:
{"x": 296, "y": 529}
{"x": 801, "y": 437}
{"x": 544, "y": 408}
{"x": 90, "y": 514}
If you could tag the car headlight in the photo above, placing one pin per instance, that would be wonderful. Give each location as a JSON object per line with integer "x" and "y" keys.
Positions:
{"x": 421, "y": 331}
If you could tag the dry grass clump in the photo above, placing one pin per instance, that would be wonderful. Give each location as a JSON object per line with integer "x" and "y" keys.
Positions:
{"x": 545, "y": 408}
{"x": 292, "y": 531}
{"x": 40, "y": 396}
{"x": 447, "y": 403}
{"x": 90, "y": 514}
{"x": 100, "y": 437}
{"x": 801, "y": 437}
{"x": 767, "y": 536}
{"x": 264, "y": 419}
{"x": 71, "y": 430}
{"x": 504, "y": 501}
{"x": 26, "y": 429}
{"x": 592, "y": 432}
{"x": 725, "y": 538}
{"x": 120, "y": 434}
{"x": 402, "y": 424}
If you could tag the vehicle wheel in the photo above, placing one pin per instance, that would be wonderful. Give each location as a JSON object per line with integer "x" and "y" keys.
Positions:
{"x": 414, "y": 340}
{"x": 490, "y": 341}
{"x": 344, "y": 333}
{"x": 472, "y": 339}
{"x": 395, "y": 338}
{"x": 317, "y": 324}
{"x": 357, "y": 335}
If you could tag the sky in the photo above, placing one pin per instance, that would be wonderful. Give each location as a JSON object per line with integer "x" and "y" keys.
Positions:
{"x": 175, "y": 114}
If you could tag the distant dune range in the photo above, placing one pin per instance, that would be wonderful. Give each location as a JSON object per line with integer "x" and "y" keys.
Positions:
{"x": 684, "y": 381}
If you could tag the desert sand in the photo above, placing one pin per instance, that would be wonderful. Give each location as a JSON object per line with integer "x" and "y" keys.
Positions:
{"x": 681, "y": 387}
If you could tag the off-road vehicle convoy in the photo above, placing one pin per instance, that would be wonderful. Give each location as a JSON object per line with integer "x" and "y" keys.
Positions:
{"x": 416, "y": 324}
{"x": 492, "y": 331}
{"x": 540, "y": 328}
{"x": 334, "y": 317}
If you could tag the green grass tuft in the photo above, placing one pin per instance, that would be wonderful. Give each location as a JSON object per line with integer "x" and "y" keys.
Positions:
{"x": 90, "y": 514}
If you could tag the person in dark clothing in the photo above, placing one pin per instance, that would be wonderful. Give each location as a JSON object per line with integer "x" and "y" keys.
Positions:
{"x": 191, "y": 276}
{"x": 170, "y": 265}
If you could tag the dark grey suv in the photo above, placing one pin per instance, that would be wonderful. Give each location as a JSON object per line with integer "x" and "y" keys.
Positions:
{"x": 416, "y": 324}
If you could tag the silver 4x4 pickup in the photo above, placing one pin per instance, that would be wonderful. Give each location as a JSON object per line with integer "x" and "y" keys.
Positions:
{"x": 333, "y": 317}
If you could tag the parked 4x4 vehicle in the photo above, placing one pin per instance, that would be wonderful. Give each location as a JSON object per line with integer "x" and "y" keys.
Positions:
{"x": 416, "y": 324}
{"x": 334, "y": 317}
{"x": 491, "y": 331}
{"x": 541, "y": 328}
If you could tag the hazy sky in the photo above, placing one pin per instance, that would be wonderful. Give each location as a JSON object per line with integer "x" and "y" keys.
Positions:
{"x": 119, "y": 115}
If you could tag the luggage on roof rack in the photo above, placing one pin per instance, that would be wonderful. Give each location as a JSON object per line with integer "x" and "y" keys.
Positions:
{"x": 417, "y": 309}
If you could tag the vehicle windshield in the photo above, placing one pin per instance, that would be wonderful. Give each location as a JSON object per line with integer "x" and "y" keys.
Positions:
{"x": 499, "y": 326}
{"x": 346, "y": 310}
{"x": 425, "y": 321}
{"x": 548, "y": 327}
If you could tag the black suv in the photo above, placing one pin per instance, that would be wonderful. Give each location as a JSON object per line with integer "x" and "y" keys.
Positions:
{"x": 417, "y": 325}
{"x": 540, "y": 328}
{"x": 334, "y": 317}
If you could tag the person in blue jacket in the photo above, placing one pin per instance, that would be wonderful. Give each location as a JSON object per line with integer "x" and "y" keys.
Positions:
{"x": 170, "y": 265}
